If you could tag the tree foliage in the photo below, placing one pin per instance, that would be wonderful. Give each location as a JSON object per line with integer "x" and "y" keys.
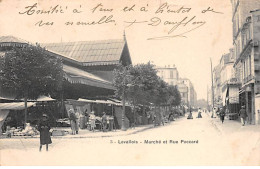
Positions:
{"x": 174, "y": 96}
{"x": 30, "y": 72}
{"x": 142, "y": 86}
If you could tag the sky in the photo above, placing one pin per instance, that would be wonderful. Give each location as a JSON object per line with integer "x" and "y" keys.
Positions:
{"x": 207, "y": 24}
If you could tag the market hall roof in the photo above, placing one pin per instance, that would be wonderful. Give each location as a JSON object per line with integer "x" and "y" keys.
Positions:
{"x": 11, "y": 40}
{"x": 103, "y": 52}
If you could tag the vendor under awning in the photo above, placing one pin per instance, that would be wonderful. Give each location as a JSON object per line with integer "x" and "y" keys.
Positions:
{"x": 6, "y": 107}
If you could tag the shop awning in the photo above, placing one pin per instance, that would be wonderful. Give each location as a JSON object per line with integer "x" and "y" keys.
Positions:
{"x": 4, "y": 98}
{"x": 233, "y": 95}
{"x": 45, "y": 99}
{"x": 100, "y": 101}
{"x": 75, "y": 75}
{"x": 15, "y": 106}
{"x": 224, "y": 96}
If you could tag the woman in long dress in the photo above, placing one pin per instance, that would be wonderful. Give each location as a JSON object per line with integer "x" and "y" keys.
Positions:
{"x": 72, "y": 118}
{"x": 92, "y": 119}
{"x": 222, "y": 114}
{"x": 45, "y": 135}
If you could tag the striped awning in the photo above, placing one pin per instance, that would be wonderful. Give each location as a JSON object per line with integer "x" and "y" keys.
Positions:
{"x": 75, "y": 75}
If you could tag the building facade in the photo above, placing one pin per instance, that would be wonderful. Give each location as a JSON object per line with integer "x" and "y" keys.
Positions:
{"x": 246, "y": 38}
{"x": 217, "y": 86}
{"x": 183, "y": 89}
{"x": 169, "y": 74}
{"x": 191, "y": 94}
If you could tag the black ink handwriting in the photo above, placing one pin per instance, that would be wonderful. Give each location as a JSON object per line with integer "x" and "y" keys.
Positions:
{"x": 167, "y": 8}
{"x": 99, "y": 7}
{"x": 33, "y": 9}
{"x": 131, "y": 23}
{"x": 182, "y": 35}
{"x": 127, "y": 9}
{"x": 210, "y": 10}
{"x": 41, "y": 23}
{"x": 102, "y": 20}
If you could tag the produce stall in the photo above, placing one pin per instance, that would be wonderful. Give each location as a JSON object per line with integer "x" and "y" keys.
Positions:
{"x": 4, "y": 111}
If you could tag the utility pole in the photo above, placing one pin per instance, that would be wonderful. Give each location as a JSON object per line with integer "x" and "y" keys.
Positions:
{"x": 123, "y": 127}
{"x": 212, "y": 89}
{"x": 207, "y": 97}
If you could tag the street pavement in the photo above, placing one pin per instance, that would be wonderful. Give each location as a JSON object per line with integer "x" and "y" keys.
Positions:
{"x": 194, "y": 142}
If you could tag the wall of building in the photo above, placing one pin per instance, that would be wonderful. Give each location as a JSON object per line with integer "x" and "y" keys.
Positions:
{"x": 169, "y": 74}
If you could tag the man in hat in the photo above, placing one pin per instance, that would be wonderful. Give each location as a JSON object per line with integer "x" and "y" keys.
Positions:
{"x": 243, "y": 115}
{"x": 45, "y": 135}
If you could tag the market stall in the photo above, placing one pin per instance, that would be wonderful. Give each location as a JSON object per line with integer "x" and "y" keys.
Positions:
{"x": 6, "y": 107}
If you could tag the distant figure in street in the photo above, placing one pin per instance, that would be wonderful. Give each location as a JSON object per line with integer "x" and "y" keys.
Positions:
{"x": 222, "y": 114}
{"x": 86, "y": 118}
{"x": 104, "y": 122}
{"x": 190, "y": 115}
{"x": 199, "y": 114}
{"x": 77, "y": 114}
{"x": 170, "y": 118}
{"x": 44, "y": 129}
{"x": 214, "y": 111}
{"x": 92, "y": 119}
{"x": 72, "y": 118}
{"x": 243, "y": 115}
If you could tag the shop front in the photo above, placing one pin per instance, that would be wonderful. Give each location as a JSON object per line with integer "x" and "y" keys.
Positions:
{"x": 85, "y": 109}
{"x": 247, "y": 99}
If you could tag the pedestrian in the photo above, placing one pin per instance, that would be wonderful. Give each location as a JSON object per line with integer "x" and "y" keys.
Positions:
{"x": 82, "y": 120}
{"x": 86, "y": 118}
{"x": 190, "y": 115}
{"x": 44, "y": 129}
{"x": 170, "y": 118}
{"x": 92, "y": 119}
{"x": 243, "y": 115}
{"x": 222, "y": 114}
{"x": 104, "y": 122}
{"x": 77, "y": 121}
{"x": 72, "y": 118}
{"x": 199, "y": 114}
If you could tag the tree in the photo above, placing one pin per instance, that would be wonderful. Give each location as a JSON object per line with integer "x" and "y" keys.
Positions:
{"x": 30, "y": 72}
{"x": 174, "y": 98}
{"x": 140, "y": 84}
{"x": 121, "y": 79}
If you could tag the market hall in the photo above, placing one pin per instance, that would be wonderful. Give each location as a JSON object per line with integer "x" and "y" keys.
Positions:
{"x": 88, "y": 72}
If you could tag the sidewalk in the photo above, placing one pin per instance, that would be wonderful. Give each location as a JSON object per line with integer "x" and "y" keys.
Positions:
{"x": 231, "y": 126}
{"x": 89, "y": 134}
{"x": 243, "y": 139}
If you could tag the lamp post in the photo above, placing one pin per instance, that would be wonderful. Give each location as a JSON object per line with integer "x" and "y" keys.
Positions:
{"x": 212, "y": 89}
{"x": 123, "y": 99}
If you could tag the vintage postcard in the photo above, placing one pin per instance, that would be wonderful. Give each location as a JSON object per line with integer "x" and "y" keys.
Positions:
{"x": 130, "y": 83}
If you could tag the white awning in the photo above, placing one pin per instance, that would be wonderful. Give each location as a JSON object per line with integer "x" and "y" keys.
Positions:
{"x": 15, "y": 105}
{"x": 233, "y": 95}
{"x": 44, "y": 98}
{"x": 224, "y": 96}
